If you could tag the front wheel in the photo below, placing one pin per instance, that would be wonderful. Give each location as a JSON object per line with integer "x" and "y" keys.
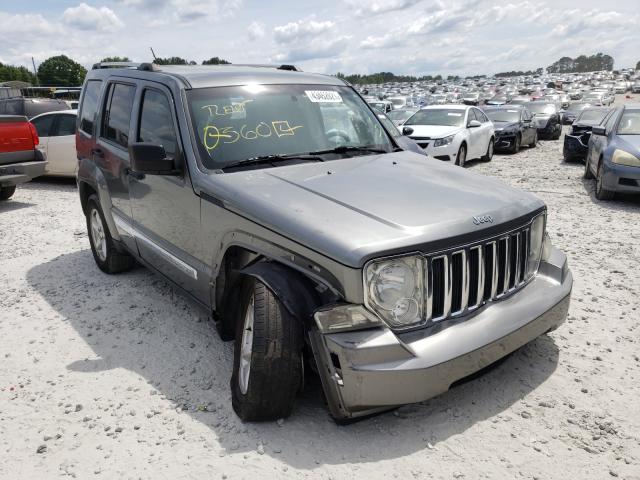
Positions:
{"x": 515, "y": 147}
{"x": 601, "y": 192}
{"x": 461, "y": 157}
{"x": 7, "y": 192}
{"x": 267, "y": 366}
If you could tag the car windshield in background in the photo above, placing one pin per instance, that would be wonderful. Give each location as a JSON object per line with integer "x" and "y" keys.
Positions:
{"x": 440, "y": 116}
{"x": 541, "y": 108}
{"x": 629, "y": 123}
{"x": 503, "y": 116}
{"x": 576, "y": 107}
{"x": 400, "y": 115}
{"x": 239, "y": 123}
{"x": 592, "y": 116}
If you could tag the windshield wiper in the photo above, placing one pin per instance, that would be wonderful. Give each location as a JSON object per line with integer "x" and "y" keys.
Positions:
{"x": 347, "y": 148}
{"x": 272, "y": 159}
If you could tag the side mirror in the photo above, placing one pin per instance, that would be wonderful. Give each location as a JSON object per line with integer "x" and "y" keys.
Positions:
{"x": 474, "y": 124}
{"x": 407, "y": 130}
{"x": 599, "y": 131}
{"x": 151, "y": 158}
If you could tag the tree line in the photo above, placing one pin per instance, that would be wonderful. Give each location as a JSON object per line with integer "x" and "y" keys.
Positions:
{"x": 582, "y": 63}
{"x": 62, "y": 71}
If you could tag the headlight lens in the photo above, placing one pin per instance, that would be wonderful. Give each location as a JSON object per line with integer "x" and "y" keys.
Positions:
{"x": 535, "y": 243}
{"x": 625, "y": 158}
{"x": 394, "y": 290}
{"x": 441, "y": 142}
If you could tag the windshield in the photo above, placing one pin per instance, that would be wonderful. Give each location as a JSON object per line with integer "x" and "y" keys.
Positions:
{"x": 437, "y": 116}
{"x": 503, "y": 115}
{"x": 244, "y": 122}
{"x": 629, "y": 123}
{"x": 541, "y": 108}
{"x": 592, "y": 116}
{"x": 400, "y": 115}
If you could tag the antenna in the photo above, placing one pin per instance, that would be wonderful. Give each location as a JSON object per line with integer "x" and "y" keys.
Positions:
{"x": 152, "y": 52}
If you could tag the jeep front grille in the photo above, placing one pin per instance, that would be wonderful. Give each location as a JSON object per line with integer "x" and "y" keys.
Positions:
{"x": 463, "y": 279}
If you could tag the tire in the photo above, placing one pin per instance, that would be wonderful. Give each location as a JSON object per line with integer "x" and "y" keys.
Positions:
{"x": 267, "y": 388}
{"x": 601, "y": 192}
{"x": 515, "y": 148}
{"x": 7, "y": 192}
{"x": 587, "y": 171}
{"x": 461, "y": 157}
{"x": 535, "y": 140}
{"x": 105, "y": 253}
{"x": 559, "y": 132}
{"x": 490, "y": 148}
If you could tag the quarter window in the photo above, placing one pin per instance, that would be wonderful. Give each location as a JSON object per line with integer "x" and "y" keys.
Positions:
{"x": 89, "y": 105}
{"x": 43, "y": 125}
{"x": 156, "y": 122}
{"x": 117, "y": 114}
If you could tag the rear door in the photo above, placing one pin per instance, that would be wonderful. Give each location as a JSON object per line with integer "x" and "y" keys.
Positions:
{"x": 486, "y": 129}
{"x": 476, "y": 135}
{"x": 111, "y": 153}
{"x": 61, "y": 146}
{"x": 44, "y": 127}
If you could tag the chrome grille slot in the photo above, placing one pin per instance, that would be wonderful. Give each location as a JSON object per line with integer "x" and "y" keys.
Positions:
{"x": 466, "y": 278}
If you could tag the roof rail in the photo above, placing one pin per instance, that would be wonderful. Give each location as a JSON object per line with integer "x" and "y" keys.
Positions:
{"x": 115, "y": 65}
{"x": 291, "y": 68}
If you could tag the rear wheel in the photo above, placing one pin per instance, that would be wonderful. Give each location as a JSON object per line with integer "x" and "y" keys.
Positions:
{"x": 489, "y": 155}
{"x": 7, "y": 192}
{"x": 601, "y": 192}
{"x": 267, "y": 367}
{"x": 461, "y": 158}
{"x": 105, "y": 253}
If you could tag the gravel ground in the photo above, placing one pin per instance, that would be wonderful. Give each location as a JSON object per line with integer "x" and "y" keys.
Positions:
{"x": 123, "y": 377}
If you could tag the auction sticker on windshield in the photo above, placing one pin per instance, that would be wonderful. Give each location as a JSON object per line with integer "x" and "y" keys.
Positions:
{"x": 323, "y": 96}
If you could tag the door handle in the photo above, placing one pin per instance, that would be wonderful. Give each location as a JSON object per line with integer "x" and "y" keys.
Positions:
{"x": 97, "y": 152}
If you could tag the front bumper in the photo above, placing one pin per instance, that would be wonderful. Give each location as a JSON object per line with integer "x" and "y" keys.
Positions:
{"x": 621, "y": 178}
{"x": 504, "y": 141}
{"x": 445, "y": 153}
{"x": 16, "y": 173}
{"x": 372, "y": 370}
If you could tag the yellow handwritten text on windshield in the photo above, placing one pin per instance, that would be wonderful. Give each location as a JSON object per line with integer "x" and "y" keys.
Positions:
{"x": 214, "y": 135}
{"x": 224, "y": 110}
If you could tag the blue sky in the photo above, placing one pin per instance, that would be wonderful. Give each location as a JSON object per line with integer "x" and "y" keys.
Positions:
{"x": 403, "y": 36}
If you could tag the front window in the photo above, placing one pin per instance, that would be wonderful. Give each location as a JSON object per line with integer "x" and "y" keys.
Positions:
{"x": 509, "y": 116}
{"x": 629, "y": 123}
{"x": 438, "y": 116}
{"x": 238, "y": 123}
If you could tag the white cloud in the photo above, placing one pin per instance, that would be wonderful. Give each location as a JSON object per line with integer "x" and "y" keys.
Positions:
{"x": 301, "y": 30}
{"x": 376, "y": 7}
{"x": 315, "y": 50}
{"x": 256, "y": 30}
{"x": 86, "y": 17}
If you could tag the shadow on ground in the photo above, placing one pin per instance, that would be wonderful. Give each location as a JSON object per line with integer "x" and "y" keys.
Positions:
{"x": 136, "y": 321}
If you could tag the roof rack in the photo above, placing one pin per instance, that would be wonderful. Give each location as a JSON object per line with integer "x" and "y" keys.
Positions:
{"x": 149, "y": 67}
{"x": 291, "y": 68}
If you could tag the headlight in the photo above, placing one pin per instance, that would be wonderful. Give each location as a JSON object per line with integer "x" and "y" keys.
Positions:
{"x": 625, "y": 158}
{"x": 441, "y": 142}
{"x": 394, "y": 289}
{"x": 536, "y": 239}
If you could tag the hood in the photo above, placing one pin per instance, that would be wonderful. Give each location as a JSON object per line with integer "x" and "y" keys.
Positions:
{"x": 629, "y": 143}
{"x": 354, "y": 209}
{"x": 433, "y": 131}
{"x": 505, "y": 126}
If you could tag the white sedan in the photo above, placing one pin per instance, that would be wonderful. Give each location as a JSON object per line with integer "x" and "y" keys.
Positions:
{"x": 452, "y": 132}
{"x": 57, "y": 132}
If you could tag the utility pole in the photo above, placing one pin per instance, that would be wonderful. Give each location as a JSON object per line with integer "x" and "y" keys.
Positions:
{"x": 35, "y": 72}
{"x": 152, "y": 53}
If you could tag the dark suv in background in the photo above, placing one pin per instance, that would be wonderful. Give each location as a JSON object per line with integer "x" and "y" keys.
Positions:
{"x": 278, "y": 201}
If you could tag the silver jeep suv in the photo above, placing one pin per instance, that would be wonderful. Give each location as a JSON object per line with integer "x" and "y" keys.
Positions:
{"x": 278, "y": 201}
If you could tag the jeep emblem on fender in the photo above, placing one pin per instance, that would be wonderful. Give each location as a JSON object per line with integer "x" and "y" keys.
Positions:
{"x": 483, "y": 219}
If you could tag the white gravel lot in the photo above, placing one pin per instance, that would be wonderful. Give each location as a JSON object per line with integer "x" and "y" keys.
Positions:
{"x": 123, "y": 377}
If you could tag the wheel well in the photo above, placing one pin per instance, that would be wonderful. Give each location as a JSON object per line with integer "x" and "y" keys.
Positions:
{"x": 85, "y": 191}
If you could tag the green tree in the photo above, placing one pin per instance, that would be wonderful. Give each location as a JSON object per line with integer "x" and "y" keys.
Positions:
{"x": 582, "y": 63}
{"x": 215, "y": 61}
{"x": 171, "y": 61}
{"x": 115, "y": 59}
{"x": 61, "y": 71}
{"x": 9, "y": 72}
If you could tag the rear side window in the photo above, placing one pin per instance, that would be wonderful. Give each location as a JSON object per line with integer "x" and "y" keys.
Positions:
{"x": 156, "y": 123}
{"x": 43, "y": 125}
{"x": 89, "y": 106}
{"x": 66, "y": 125}
{"x": 117, "y": 114}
